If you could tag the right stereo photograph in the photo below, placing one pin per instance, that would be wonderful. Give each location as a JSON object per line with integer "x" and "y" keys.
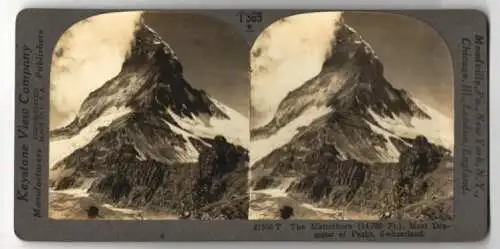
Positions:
{"x": 351, "y": 119}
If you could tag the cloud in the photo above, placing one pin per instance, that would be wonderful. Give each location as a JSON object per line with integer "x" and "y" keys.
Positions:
{"x": 288, "y": 53}
{"x": 87, "y": 55}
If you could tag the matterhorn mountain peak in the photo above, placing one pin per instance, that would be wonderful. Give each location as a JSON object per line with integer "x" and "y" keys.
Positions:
{"x": 353, "y": 101}
{"x": 150, "y": 94}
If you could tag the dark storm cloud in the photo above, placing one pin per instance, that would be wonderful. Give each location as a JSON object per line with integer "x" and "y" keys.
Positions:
{"x": 415, "y": 57}
{"x": 214, "y": 56}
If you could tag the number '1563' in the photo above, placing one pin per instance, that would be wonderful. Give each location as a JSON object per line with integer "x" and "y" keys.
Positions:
{"x": 250, "y": 16}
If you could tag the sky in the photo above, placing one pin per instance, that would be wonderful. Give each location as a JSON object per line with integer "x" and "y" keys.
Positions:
{"x": 414, "y": 56}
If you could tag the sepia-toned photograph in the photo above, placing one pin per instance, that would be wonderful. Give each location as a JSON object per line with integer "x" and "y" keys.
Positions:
{"x": 342, "y": 116}
{"x": 351, "y": 118}
{"x": 149, "y": 119}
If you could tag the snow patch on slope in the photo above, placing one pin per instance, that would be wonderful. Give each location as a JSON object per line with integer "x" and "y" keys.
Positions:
{"x": 235, "y": 129}
{"x": 81, "y": 191}
{"x": 318, "y": 95}
{"x": 60, "y": 149}
{"x": 390, "y": 153}
{"x": 75, "y": 192}
{"x": 279, "y": 191}
{"x": 438, "y": 129}
{"x": 189, "y": 153}
{"x": 262, "y": 147}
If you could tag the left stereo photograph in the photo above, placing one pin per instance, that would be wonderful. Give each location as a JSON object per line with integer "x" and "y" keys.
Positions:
{"x": 149, "y": 119}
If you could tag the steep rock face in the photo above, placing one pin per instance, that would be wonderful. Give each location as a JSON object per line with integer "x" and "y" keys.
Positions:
{"x": 336, "y": 182}
{"x": 348, "y": 138}
{"x": 144, "y": 137}
{"x": 170, "y": 187}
